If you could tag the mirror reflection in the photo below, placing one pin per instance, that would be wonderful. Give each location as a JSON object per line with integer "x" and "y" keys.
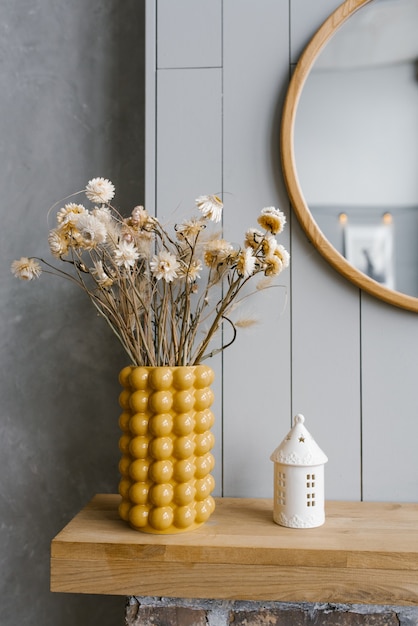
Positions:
{"x": 356, "y": 142}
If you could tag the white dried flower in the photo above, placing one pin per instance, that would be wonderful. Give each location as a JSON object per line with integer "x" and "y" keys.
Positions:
{"x": 164, "y": 265}
{"x": 112, "y": 225}
{"x": 273, "y": 265}
{"x": 272, "y": 220}
{"x": 92, "y": 230}
{"x": 246, "y": 263}
{"x": 68, "y": 216}
{"x": 26, "y": 269}
{"x": 211, "y": 207}
{"x": 283, "y": 255}
{"x": 253, "y": 238}
{"x": 216, "y": 251}
{"x": 193, "y": 270}
{"x": 103, "y": 213}
{"x": 100, "y": 190}
{"x": 269, "y": 245}
{"x": 140, "y": 216}
{"x": 58, "y": 242}
{"x": 189, "y": 229}
{"x": 125, "y": 254}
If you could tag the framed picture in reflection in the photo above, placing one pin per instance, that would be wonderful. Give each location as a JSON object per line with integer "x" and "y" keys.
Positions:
{"x": 370, "y": 249}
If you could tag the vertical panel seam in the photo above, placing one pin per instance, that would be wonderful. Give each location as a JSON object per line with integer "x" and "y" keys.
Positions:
{"x": 222, "y": 195}
{"x": 361, "y": 397}
{"x": 150, "y": 105}
{"x": 290, "y": 35}
{"x": 290, "y": 243}
{"x": 156, "y": 109}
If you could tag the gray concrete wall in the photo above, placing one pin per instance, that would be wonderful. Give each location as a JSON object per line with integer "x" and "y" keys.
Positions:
{"x": 71, "y": 108}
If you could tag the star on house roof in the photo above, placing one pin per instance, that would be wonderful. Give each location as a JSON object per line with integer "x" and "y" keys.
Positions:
{"x": 299, "y": 447}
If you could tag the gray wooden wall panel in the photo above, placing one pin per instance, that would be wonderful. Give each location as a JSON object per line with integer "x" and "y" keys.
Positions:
{"x": 188, "y": 164}
{"x": 325, "y": 329}
{"x": 345, "y": 360}
{"x": 256, "y": 369}
{"x": 189, "y": 140}
{"x": 150, "y": 173}
{"x": 326, "y": 364}
{"x": 189, "y": 33}
{"x": 390, "y": 402}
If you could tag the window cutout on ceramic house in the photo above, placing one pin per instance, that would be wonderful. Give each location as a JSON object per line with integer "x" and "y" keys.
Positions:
{"x": 281, "y": 491}
{"x": 310, "y": 499}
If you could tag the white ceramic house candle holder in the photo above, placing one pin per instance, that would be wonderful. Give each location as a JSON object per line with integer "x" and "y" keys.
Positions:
{"x": 299, "y": 479}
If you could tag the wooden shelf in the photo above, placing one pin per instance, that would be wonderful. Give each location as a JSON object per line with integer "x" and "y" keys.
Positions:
{"x": 364, "y": 553}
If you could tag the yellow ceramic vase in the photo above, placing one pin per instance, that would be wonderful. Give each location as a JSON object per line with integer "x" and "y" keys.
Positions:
{"x": 166, "y": 445}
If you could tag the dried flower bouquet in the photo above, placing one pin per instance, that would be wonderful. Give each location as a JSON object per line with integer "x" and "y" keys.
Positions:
{"x": 164, "y": 295}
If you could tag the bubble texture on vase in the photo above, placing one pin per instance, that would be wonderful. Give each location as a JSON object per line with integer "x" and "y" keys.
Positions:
{"x": 166, "y": 445}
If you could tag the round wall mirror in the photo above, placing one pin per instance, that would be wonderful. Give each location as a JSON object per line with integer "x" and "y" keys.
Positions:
{"x": 349, "y": 145}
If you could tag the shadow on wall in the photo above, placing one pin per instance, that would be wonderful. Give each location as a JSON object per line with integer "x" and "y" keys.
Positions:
{"x": 71, "y": 108}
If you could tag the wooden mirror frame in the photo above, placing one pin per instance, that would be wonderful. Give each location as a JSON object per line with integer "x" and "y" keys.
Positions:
{"x": 299, "y": 204}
